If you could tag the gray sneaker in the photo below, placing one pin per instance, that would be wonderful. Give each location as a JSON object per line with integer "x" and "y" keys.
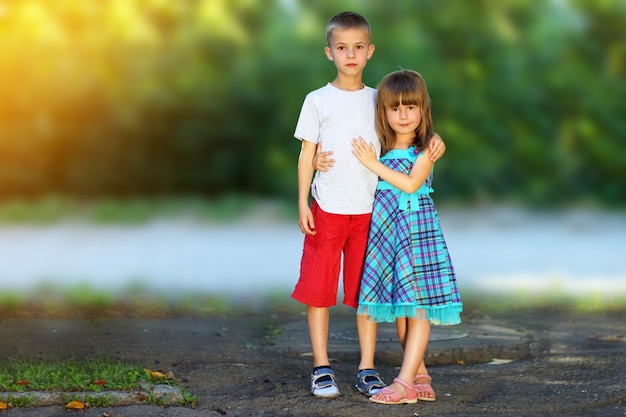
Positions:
{"x": 328, "y": 387}
{"x": 369, "y": 383}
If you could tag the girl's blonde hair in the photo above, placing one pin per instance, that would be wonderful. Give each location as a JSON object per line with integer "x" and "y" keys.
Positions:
{"x": 403, "y": 87}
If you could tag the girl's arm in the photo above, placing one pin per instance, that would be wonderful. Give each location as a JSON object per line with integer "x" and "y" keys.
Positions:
{"x": 422, "y": 167}
{"x": 322, "y": 160}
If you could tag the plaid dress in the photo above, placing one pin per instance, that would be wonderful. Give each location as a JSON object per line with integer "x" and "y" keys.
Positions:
{"x": 407, "y": 270}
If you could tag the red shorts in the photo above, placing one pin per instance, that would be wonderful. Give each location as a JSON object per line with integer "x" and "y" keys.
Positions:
{"x": 337, "y": 234}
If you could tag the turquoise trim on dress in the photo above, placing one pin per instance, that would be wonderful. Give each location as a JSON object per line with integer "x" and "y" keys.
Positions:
{"x": 446, "y": 315}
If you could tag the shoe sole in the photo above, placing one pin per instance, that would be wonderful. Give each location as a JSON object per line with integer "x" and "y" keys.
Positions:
{"x": 406, "y": 401}
{"x": 327, "y": 397}
{"x": 362, "y": 391}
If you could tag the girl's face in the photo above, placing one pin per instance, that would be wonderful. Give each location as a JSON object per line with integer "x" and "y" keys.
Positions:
{"x": 404, "y": 120}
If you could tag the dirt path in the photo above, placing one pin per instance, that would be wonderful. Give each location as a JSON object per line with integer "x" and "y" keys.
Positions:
{"x": 228, "y": 365}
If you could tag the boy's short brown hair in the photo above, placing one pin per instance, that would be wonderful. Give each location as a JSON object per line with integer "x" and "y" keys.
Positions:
{"x": 347, "y": 20}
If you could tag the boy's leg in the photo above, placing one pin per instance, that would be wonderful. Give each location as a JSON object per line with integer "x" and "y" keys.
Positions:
{"x": 317, "y": 288}
{"x": 353, "y": 257}
{"x": 318, "y": 319}
{"x": 323, "y": 383}
{"x": 367, "y": 380}
{"x": 319, "y": 277}
{"x": 367, "y": 340}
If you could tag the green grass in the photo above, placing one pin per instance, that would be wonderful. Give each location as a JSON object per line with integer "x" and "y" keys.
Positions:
{"x": 22, "y": 401}
{"x": 67, "y": 376}
{"x": 20, "y": 380}
{"x": 271, "y": 331}
{"x": 502, "y": 304}
{"x": 135, "y": 210}
{"x": 90, "y": 376}
{"x": 83, "y": 301}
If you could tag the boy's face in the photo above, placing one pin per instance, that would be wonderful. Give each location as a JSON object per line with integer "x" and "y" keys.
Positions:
{"x": 349, "y": 49}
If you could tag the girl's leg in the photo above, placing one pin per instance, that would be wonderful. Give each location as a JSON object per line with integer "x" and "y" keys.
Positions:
{"x": 421, "y": 380}
{"x": 422, "y": 385}
{"x": 416, "y": 342}
{"x": 418, "y": 333}
{"x": 401, "y": 327}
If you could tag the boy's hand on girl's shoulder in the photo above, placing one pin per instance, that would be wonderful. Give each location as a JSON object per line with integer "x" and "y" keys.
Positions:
{"x": 437, "y": 148}
{"x": 322, "y": 160}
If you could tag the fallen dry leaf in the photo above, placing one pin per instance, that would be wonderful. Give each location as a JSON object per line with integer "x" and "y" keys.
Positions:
{"x": 155, "y": 374}
{"x": 142, "y": 396}
{"x": 497, "y": 361}
{"x": 613, "y": 338}
{"x": 100, "y": 382}
{"x": 22, "y": 382}
{"x": 76, "y": 405}
{"x": 4, "y": 406}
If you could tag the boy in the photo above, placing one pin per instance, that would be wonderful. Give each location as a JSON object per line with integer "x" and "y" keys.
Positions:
{"x": 337, "y": 222}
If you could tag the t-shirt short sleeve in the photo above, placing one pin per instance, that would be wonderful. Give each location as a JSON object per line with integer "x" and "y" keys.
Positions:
{"x": 334, "y": 117}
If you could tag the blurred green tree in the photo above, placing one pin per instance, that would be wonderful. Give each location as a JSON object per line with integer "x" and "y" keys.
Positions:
{"x": 153, "y": 97}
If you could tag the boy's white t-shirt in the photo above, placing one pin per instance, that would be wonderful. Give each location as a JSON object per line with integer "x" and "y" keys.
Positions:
{"x": 334, "y": 117}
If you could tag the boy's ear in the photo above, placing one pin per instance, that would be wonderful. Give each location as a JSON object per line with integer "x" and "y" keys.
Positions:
{"x": 370, "y": 51}
{"x": 329, "y": 54}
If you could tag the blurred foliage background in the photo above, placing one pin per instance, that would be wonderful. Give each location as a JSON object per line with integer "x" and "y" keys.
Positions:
{"x": 118, "y": 98}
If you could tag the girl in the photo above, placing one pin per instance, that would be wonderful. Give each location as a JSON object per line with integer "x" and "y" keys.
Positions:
{"x": 407, "y": 276}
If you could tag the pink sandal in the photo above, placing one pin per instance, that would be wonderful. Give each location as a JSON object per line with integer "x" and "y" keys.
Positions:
{"x": 389, "y": 396}
{"x": 425, "y": 387}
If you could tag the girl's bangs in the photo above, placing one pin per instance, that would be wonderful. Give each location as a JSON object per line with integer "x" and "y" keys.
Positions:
{"x": 401, "y": 93}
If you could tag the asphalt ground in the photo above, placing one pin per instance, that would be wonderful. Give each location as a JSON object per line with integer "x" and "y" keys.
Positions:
{"x": 522, "y": 363}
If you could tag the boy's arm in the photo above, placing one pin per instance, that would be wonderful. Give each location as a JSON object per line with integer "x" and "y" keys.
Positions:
{"x": 410, "y": 183}
{"x": 437, "y": 148}
{"x": 305, "y": 176}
